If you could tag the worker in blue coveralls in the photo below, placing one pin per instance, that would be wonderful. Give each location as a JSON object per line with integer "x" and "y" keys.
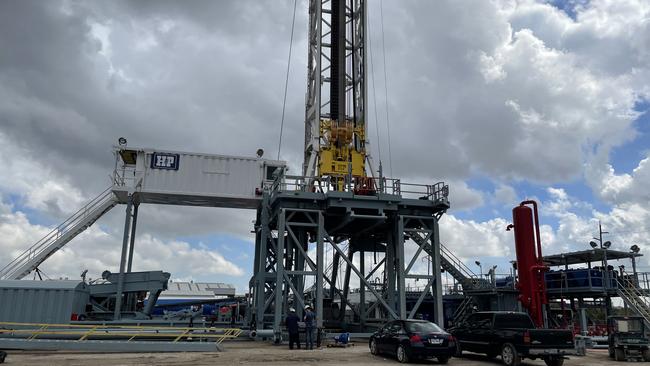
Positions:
{"x": 292, "y": 328}
{"x": 310, "y": 318}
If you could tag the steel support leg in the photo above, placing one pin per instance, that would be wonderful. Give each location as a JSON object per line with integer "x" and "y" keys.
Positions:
{"x": 125, "y": 241}
{"x": 261, "y": 248}
{"x": 435, "y": 266}
{"x": 131, "y": 298}
{"x": 335, "y": 272}
{"x": 389, "y": 271}
{"x": 400, "y": 268}
{"x": 362, "y": 289}
{"x": 279, "y": 277}
{"x": 320, "y": 253}
{"x": 346, "y": 283}
{"x": 134, "y": 224}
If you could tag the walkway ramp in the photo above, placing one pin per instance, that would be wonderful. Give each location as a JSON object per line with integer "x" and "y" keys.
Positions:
{"x": 31, "y": 258}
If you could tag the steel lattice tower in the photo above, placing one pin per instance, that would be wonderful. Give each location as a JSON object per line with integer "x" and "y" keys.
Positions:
{"x": 335, "y": 111}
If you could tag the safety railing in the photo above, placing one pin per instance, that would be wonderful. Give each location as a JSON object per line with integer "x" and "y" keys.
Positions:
{"x": 359, "y": 185}
{"x": 125, "y": 176}
{"x": 634, "y": 298}
{"x": 82, "y": 215}
{"x": 84, "y": 332}
{"x": 628, "y": 286}
{"x": 465, "y": 275}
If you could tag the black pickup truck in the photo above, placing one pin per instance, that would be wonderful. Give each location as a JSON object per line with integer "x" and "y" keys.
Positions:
{"x": 513, "y": 336}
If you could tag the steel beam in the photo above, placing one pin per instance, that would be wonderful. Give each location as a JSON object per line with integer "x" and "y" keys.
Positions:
{"x": 279, "y": 272}
{"x": 320, "y": 254}
{"x": 106, "y": 346}
{"x": 132, "y": 244}
{"x": 435, "y": 268}
{"x": 125, "y": 241}
{"x": 356, "y": 271}
{"x": 362, "y": 289}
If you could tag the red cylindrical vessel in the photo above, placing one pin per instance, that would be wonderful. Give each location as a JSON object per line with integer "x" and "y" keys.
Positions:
{"x": 530, "y": 267}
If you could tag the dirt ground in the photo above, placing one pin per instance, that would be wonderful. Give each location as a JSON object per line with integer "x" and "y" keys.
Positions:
{"x": 258, "y": 353}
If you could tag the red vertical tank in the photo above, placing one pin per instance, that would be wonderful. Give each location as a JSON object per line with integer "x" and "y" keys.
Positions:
{"x": 530, "y": 267}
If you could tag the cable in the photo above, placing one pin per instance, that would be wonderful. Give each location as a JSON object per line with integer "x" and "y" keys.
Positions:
{"x": 374, "y": 93}
{"x": 286, "y": 82}
{"x": 383, "y": 46}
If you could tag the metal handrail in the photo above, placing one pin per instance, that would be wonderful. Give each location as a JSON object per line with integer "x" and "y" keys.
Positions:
{"x": 132, "y": 332}
{"x": 460, "y": 266}
{"x": 283, "y": 183}
{"x": 633, "y": 299}
{"x": 60, "y": 230}
{"x": 457, "y": 262}
{"x": 631, "y": 288}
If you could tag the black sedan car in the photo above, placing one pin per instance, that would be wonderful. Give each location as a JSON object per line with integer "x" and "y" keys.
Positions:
{"x": 412, "y": 339}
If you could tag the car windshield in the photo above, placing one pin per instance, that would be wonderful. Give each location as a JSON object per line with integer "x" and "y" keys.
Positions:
{"x": 422, "y": 327}
{"x": 629, "y": 325}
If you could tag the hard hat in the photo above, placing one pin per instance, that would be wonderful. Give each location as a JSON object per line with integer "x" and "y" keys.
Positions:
{"x": 307, "y": 307}
{"x": 292, "y": 310}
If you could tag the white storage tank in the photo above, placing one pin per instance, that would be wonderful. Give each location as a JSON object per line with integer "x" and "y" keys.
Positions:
{"x": 193, "y": 179}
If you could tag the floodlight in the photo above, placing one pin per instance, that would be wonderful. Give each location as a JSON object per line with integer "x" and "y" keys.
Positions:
{"x": 607, "y": 244}
{"x": 635, "y": 248}
{"x": 260, "y": 152}
{"x": 121, "y": 141}
{"x": 593, "y": 244}
{"x": 477, "y": 263}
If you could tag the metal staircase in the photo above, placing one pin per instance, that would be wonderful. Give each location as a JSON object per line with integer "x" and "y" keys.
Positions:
{"x": 463, "y": 310}
{"x": 634, "y": 298}
{"x": 31, "y": 258}
{"x": 453, "y": 265}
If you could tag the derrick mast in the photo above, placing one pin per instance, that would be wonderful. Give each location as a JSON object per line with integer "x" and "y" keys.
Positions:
{"x": 335, "y": 113}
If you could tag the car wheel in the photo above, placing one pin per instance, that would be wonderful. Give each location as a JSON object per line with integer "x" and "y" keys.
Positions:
{"x": 646, "y": 355}
{"x": 554, "y": 361}
{"x": 3, "y": 355}
{"x": 373, "y": 347}
{"x": 619, "y": 355}
{"x": 611, "y": 352}
{"x": 402, "y": 355}
{"x": 509, "y": 355}
{"x": 443, "y": 359}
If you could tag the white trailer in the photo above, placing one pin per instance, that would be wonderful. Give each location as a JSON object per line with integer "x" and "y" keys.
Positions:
{"x": 192, "y": 179}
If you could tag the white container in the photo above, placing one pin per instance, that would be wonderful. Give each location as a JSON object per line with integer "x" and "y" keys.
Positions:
{"x": 193, "y": 179}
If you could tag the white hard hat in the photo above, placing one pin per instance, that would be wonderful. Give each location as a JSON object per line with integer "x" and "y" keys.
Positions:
{"x": 292, "y": 310}
{"x": 307, "y": 307}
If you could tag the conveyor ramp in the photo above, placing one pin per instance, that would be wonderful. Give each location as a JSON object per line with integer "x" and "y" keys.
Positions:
{"x": 31, "y": 258}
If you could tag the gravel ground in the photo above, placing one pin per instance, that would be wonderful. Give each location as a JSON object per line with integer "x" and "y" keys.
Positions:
{"x": 258, "y": 353}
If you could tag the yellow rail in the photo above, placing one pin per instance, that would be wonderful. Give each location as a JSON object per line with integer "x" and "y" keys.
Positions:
{"x": 132, "y": 332}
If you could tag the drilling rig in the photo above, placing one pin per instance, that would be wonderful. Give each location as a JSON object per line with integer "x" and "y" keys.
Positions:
{"x": 310, "y": 228}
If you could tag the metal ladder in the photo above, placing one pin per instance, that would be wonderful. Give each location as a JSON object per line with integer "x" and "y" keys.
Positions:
{"x": 31, "y": 258}
{"x": 634, "y": 298}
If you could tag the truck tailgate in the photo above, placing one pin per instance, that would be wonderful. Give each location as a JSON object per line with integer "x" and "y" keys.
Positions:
{"x": 551, "y": 338}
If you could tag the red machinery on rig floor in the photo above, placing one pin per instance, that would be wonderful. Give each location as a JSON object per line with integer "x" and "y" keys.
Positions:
{"x": 530, "y": 267}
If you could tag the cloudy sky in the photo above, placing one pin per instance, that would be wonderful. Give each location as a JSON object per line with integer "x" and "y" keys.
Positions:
{"x": 504, "y": 100}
